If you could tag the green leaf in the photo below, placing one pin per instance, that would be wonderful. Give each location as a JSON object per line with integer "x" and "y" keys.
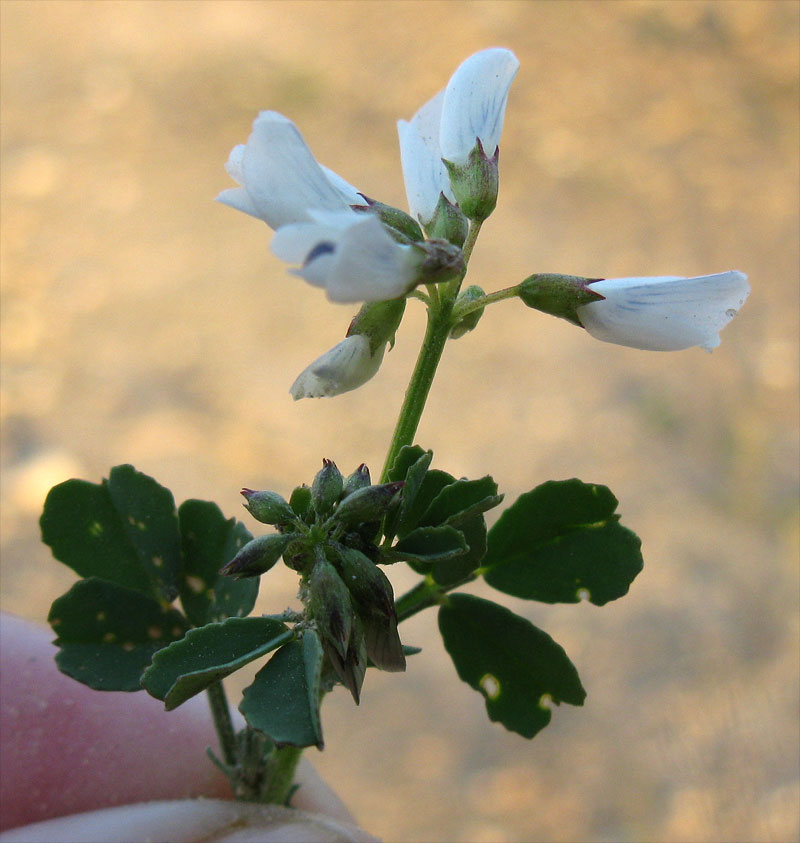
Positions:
{"x": 108, "y": 634}
{"x": 148, "y": 515}
{"x": 431, "y": 484}
{"x": 209, "y": 653}
{"x": 413, "y": 475}
{"x": 562, "y": 542}
{"x": 209, "y": 541}
{"x": 430, "y": 544}
{"x": 406, "y": 457}
{"x": 449, "y": 572}
{"x": 517, "y": 667}
{"x": 123, "y": 530}
{"x": 283, "y": 701}
{"x": 459, "y": 501}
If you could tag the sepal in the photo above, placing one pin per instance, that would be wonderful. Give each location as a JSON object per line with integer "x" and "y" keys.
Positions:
{"x": 558, "y": 295}
{"x": 475, "y": 183}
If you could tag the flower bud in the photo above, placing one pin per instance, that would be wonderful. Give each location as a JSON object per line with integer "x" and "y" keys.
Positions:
{"x": 330, "y": 606}
{"x": 448, "y": 223}
{"x": 268, "y": 507}
{"x": 467, "y": 323}
{"x": 326, "y": 488}
{"x": 475, "y": 183}
{"x": 368, "y": 504}
{"x": 257, "y": 556}
{"x": 300, "y": 501}
{"x": 558, "y": 295}
{"x": 352, "y": 667}
{"x": 374, "y": 599}
{"x": 359, "y": 479}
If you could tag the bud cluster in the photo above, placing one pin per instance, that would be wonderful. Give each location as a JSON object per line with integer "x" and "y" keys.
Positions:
{"x": 326, "y": 532}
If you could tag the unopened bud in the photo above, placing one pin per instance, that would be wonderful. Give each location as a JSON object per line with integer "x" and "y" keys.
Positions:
{"x": 466, "y": 323}
{"x": 268, "y": 507}
{"x": 330, "y": 606}
{"x": 257, "y": 556}
{"x": 558, "y": 295}
{"x": 374, "y": 599}
{"x": 448, "y": 223}
{"x": 300, "y": 501}
{"x": 368, "y": 504}
{"x": 359, "y": 479}
{"x": 326, "y": 488}
{"x": 475, "y": 183}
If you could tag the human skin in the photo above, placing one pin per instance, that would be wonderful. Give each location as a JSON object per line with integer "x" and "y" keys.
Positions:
{"x": 67, "y": 749}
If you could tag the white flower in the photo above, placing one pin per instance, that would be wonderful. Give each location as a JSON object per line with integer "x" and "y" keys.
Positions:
{"x": 471, "y": 108}
{"x": 350, "y": 254}
{"x": 666, "y": 313}
{"x": 280, "y": 179}
{"x": 348, "y": 365}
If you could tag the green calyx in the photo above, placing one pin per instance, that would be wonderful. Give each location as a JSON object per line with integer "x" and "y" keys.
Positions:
{"x": 475, "y": 183}
{"x": 448, "y": 223}
{"x": 558, "y": 295}
{"x": 378, "y": 321}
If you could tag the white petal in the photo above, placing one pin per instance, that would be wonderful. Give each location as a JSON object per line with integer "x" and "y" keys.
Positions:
{"x": 233, "y": 166}
{"x": 350, "y": 195}
{"x": 281, "y": 175}
{"x": 666, "y": 313}
{"x": 238, "y": 198}
{"x": 475, "y": 103}
{"x": 346, "y": 366}
{"x": 370, "y": 265}
{"x": 424, "y": 173}
{"x": 293, "y": 243}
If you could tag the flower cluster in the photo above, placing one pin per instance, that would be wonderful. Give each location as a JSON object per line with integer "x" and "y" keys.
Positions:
{"x": 360, "y": 250}
{"x": 326, "y": 532}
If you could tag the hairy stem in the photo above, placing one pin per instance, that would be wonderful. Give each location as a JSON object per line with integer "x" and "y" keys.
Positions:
{"x": 221, "y": 715}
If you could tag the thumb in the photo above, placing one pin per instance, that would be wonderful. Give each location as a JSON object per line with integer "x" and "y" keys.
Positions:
{"x": 188, "y": 821}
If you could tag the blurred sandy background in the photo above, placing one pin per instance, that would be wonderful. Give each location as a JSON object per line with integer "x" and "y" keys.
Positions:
{"x": 143, "y": 323}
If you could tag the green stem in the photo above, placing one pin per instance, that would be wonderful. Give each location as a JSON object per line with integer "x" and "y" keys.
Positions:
{"x": 280, "y": 772}
{"x": 489, "y": 298}
{"x": 221, "y": 715}
{"x": 436, "y": 334}
{"x": 424, "y": 594}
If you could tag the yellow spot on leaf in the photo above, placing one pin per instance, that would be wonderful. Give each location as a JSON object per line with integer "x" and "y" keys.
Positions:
{"x": 158, "y": 561}
{"x": 95, "y": 529}
{"x": 100, "y": 616}
{"x": 196, "y": 585}
{"x": 490, "y": 686}
{"x": 109, "y": 638}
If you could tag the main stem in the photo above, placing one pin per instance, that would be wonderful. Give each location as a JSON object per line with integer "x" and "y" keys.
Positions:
{"x": 436, "y": 334}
